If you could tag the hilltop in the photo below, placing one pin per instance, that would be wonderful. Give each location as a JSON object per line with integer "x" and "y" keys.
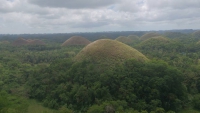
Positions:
{"x": 149, "y": 35}
{"x": 133, "y": 37}
{"x": 76, "y": 40}
{"x": 22, "y": 41}
{"x": 124, "y": 39}
{"x": 109, "y": 52}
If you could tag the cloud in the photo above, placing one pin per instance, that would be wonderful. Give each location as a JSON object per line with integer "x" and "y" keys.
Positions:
{"x": 73, "y": 4}
{"x": 173, "y": 4}
{"x": 33, "y": 16}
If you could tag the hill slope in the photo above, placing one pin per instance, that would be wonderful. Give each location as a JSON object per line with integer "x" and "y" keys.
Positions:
{"x": 148, "y": 35}
{"x": 109, "y": 52}
{"x": 20, "y": 42}
{"x": 76, "y": 40}
{"x": 124, "y": 39}
{"x": 133, "y": 37}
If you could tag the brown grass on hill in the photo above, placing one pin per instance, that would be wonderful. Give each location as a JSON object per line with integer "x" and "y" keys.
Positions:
{"x": 133, "y": 37}
{"x": 196, "y": 34}
{"x": 124, "y": 39}
{"x": 21, "y": 42}
{"x": 160, "y": 38}
{"x": 149, "y": 35}
{"x": 154, "y": 42}
{"x": 106, "y": 51}
{"x": 4, "y": 42}
{"x": 76, "y": 40}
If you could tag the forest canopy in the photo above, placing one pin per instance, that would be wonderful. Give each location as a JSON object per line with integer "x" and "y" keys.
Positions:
{"x": 157, "y": 75}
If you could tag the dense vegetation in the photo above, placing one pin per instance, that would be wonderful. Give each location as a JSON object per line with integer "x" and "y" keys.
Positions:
{"x": 168, "y": 82}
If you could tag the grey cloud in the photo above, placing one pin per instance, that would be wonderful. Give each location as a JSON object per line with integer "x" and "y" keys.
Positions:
{"x": 64, "y": 15}
{"x": 21, "y": 6}
{"x": 73, "y": 4}
{"x": 174, "y": 4}
{"x": 90, "y": 24}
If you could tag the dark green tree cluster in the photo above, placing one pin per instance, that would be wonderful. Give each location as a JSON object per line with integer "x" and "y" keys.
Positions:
{"x": 133, "y": 85}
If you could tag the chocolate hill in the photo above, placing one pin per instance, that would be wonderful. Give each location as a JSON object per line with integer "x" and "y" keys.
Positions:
{"x": 155, "y": 43}
{"x": 109, "y": 52}
{"x": 133, "y": 37}
{"x": 196, "y": 34}
{"x": 149, "y": 35}
{"x": 124, "y": 39}
{"x": 76, "y": 40}
{"x": 21, "y": 42}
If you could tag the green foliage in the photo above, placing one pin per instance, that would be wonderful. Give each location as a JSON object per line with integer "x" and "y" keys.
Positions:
{"x": 66, "y": 110}
{"x": 12, "y": 104}
{"x": 143, "y": 86}
{"x": 196, "y": 102}
{"x": 47, "y": 73}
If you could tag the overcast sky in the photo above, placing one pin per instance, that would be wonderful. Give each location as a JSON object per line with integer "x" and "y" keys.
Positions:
{"x": 64, "y": 16}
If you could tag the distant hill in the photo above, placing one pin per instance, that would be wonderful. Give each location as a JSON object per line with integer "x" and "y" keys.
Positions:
{"x": 175, "y": 35}
{"x": 22, "y": 41}
{"x": 133, "y": 37}
{"x": 110, "y": 52}
{"x": 124, "y": 39}
{"x": 196, "y": 34}
{"x": 149, "y": 35}
{"x": 76, "y": 40}
{"x": 4, "y": 42}
{"x": 155, "y": 41}
{"x": 159, "y": 44}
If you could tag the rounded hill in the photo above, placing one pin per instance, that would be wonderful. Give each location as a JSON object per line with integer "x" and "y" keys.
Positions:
{"x": 124, "y": 39}
{"x": 106, "y": 51}
{"x": 20, "y": 42}
{"x": 157, "y": 44}
{"x": 158, "y": 40}
{"x": 149, "y": 35}
{"x": 196, "y": 34}
{"x": 76, "y": 40}
{"x": 133, "y": 37}
{"x": 4, "y": 42}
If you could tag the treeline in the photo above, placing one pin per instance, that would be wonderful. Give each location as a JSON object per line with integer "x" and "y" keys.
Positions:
{"x": 61, "y": 37}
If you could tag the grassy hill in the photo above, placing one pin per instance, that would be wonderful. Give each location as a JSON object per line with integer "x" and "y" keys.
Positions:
{"x": 133, "y": 37}
{"x": 76, "y": 40}
{"x": 124, "y": 39}
{"x": 109, "y": 52}
{"x": 149, "y": 35}
{"x": 22, "y": 41}
{"x": 154, "y": 42}
{"x": 196, "y": 34}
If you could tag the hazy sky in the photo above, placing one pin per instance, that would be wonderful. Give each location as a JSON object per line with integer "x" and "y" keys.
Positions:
{"x": 63, "y": 16}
